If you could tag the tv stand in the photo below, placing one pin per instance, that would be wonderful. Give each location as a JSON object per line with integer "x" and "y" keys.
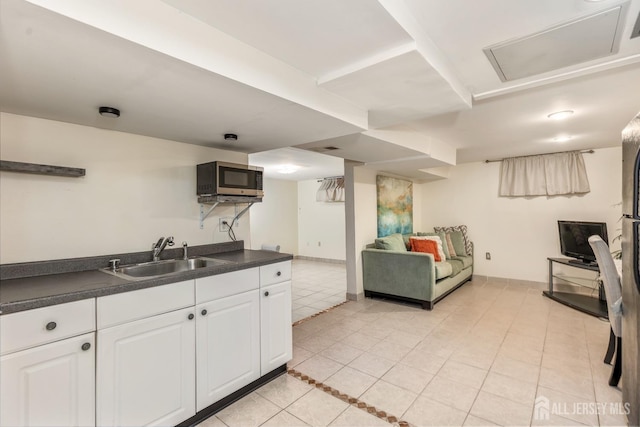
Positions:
{"x": 582, "y": 262}
{"x": 595, "y": 306}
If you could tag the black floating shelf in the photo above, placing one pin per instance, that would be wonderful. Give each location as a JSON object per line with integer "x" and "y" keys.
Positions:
{"x": 40, "y": 169}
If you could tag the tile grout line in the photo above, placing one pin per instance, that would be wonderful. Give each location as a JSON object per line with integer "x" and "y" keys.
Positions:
{"x": 357, "y": 403}
{"x": 593, "y": 383}
{"x": 326, "y": 310}
{"x": 342, "y": 396}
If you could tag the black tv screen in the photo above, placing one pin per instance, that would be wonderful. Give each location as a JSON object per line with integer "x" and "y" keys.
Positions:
{"x": 574, "y": 238}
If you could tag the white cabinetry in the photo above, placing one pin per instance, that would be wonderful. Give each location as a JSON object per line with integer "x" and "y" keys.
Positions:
{"x": 275, "y": 316}
{"x": 140, "y": 369}
{"x": 146, "y": 367}
{"x": 228, "y": 334}
{"x": 47, "y": 368}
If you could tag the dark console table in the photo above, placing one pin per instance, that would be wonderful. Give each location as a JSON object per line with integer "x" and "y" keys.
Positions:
{"x": 585, "y": 303}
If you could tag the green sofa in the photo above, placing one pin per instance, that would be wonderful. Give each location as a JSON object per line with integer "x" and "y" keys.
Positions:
{"x": 413, "y": 276}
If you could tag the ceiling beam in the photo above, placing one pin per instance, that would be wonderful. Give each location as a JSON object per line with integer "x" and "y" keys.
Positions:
{"x": 146, "y": 22}
{"x": 427, "y": 48}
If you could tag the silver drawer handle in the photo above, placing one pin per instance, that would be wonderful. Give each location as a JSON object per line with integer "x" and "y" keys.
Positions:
{"x": 51, "y": 326}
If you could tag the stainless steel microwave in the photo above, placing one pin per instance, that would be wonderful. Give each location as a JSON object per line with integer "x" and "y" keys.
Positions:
{"x": 229, "y": 179}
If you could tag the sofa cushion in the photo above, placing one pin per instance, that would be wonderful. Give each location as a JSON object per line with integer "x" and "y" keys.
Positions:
{"x": 443, "y": 269}
{"x": 407, "y": 242}
{"x": 465, "y": 235}
{"x": 456, "y": 266}
{"x": 393, "y": 242}
{"x": 467, "y": 261}
{"x": 458, "y": 242}
{"x": 426, "y": 246}
{"x": 443, "y": 239}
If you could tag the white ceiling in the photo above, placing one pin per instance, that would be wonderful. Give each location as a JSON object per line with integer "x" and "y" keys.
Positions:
{"x": 399, "y": 84}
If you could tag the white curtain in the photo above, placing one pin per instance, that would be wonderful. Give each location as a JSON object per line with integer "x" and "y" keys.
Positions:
{"x": 544, "y": 175}
{"x": 331, "y": 190}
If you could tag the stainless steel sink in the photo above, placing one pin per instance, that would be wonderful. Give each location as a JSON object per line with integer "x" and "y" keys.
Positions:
{"x": 161, "y": 268}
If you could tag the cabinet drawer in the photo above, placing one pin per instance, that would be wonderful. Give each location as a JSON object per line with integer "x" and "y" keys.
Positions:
{"x": 227, "y": 284}
{"x": 128, "y": 306}
{"x": 30, "y": 328}
{"x": 275, "y": 273}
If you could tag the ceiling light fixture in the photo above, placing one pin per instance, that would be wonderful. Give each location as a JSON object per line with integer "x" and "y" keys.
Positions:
{"x": 230, "y": 137}
{"x": 287, "y": 169}
{"x": 109, "y": 112}
{"x": 560, "y": 115}
{"x": 562, "y": 138}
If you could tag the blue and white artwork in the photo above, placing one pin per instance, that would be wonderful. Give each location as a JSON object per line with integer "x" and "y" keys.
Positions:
{"x": 395, "y": 205}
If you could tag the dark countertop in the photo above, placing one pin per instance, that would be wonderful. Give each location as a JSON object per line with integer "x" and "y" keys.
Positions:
{"x": 24, "y": 292}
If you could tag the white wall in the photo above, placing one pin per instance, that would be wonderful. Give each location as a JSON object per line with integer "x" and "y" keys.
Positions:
{"x": 290, "y": 216}
{"x": 520, "y": 233}
{"x": 136, "y": 189}
{"x": 361, "y": 187}
{"x": 275, "y": 220}
{"x": 321, "y": 225}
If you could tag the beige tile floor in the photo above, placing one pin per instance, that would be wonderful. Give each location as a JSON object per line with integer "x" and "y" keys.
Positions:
{"x": 316, "y": 286}
{"x": 483, "y": 356}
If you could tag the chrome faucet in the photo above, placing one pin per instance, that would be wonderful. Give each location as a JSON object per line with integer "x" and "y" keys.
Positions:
{"x": 159, "y": 246}
{"x": 184, "y": 250}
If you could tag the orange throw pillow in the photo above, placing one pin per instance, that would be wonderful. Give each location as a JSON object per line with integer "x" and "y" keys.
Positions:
{"x": 428, "y": 246}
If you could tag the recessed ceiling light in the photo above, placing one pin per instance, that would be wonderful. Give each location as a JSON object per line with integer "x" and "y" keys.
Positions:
{"x": 562, "y": 138}
{"x": 109, "y": 112}
{"x": 560, "y": 115}
{"x": 287, "y": 169}
{"x": 230, "y": 137}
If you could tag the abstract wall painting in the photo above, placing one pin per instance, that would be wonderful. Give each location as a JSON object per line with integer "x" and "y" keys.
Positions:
{"x": 395, "y": 205}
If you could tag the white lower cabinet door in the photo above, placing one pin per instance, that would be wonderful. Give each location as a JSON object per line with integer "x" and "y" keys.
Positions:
{"x": 276, "y": 330}
{"x": 146, "y": 371}
{"x": 228, "y": 346}
{"x": 49, "y": 385}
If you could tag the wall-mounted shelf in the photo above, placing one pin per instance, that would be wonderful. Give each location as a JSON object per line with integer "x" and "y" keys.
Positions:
{"x": 217, "y": 200}
{"x": 34, "y": 168}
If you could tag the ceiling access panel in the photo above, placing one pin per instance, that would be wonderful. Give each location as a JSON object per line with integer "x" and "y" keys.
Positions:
{"x": 585, "y": 39}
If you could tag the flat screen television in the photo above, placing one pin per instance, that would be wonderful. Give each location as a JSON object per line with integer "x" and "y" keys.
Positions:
{"x": 574, "y": 239}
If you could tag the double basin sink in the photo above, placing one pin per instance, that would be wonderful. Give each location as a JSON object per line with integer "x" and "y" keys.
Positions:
{"x": 161, "y": 268}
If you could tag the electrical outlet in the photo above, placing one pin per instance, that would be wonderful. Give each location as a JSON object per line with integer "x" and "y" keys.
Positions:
{"x": 488, "y": 255}
{"x": 224, "y": 223}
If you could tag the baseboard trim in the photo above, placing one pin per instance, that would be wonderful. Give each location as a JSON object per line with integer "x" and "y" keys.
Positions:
{"x": 484, "y": 279}
{"x": 355, "y": 297}
{"x": 327, "y": 260}
{"x": 207, "y": 412}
